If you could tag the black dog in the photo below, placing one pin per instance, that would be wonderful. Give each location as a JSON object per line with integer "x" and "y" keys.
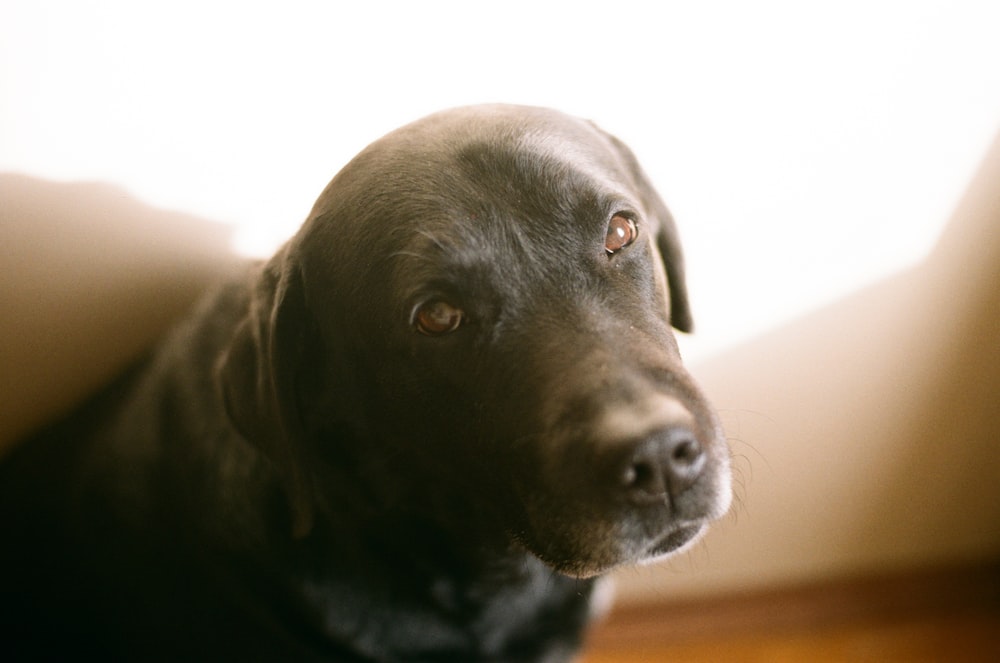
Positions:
{"x": 418, "y": 433}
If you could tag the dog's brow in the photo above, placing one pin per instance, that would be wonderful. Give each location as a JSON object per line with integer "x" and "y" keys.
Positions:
{"x": 567, "y": 153}
{"x": 425, "y": 255}
{"x": 555, "y": 149}
{"x": 434, "y": 239}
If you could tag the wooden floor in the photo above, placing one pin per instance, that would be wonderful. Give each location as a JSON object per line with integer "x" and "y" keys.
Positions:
{"x": 950, "y": 615}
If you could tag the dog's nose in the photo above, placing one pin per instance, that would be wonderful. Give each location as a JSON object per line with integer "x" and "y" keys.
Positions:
{"x": 664, "y": 463}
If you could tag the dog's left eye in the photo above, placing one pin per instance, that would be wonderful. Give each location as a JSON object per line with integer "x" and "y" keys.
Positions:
{"x": 437, "y": 318}
{"x": 622, "y": 231}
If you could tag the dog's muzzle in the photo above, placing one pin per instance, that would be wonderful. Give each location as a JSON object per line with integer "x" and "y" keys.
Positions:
{"x": 643, "y": 483}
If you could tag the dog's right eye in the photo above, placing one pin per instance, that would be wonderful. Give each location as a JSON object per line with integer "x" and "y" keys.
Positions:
{"x": 437, "y": 318}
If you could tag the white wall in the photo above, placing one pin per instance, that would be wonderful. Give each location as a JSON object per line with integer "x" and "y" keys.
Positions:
{"x": 805, "y": 148}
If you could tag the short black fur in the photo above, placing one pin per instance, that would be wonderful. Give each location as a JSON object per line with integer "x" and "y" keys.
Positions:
{"x": 297, "y": 474}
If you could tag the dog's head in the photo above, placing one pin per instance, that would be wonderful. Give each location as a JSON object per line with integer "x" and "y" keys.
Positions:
{"x": 476, "y": 318}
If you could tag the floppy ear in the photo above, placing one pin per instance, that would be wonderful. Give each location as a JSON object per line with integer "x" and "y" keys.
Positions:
{"x": 669, "y": 244}
{"x": 262, "y": 374}
{"x": 667, "y": 239}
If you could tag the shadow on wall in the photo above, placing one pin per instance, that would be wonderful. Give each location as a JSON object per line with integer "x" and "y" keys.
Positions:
{"x": 866, "y": 435}
{"x": 90, "y": 277}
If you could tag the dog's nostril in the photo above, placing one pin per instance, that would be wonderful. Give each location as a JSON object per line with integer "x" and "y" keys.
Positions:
{"x": 686, "y": 453}
{"x": 643, "y": 478}
{"x": 667, "y": 462}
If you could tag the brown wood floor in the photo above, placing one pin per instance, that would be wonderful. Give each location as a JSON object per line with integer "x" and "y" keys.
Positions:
{"x": 950, "y": 615}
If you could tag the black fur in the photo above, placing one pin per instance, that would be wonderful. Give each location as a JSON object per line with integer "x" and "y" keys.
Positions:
{"x": 298, "y": 474}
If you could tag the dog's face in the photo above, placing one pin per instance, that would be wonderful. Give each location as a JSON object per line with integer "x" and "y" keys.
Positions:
{"x": 484, "y": 299}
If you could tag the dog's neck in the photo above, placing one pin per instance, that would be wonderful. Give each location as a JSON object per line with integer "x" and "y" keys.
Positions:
{"x": 436, "y": 593}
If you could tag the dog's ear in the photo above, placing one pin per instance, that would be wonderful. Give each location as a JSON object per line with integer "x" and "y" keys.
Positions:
{"x": 667, "y": 239}
{"x": 262, "y": 376}
{"x": 669, "y": 244}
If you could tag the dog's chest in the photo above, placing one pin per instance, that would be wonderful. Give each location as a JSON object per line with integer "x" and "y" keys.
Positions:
{"x": 527, "y": 615}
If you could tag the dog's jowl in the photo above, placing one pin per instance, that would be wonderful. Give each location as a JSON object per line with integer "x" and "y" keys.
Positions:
{"x": 419, "y": 432}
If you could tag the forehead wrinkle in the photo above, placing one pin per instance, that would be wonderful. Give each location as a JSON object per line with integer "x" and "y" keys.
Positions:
{"x": 586, "y": 153}
{"x": 566, "y": 155}
{"x": 525, "y": 154}
{"x": 440, "y": 253}
{"x": 476, "y": 261}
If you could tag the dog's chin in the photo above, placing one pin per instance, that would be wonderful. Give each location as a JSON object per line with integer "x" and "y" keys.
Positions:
{"x": 657, "y": 549}
{"x": 673, "y": 543}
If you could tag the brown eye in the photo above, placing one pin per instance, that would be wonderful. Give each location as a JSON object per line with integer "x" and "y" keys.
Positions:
{"x": 622, "y": 231}
{"x": 437, "y": 318}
